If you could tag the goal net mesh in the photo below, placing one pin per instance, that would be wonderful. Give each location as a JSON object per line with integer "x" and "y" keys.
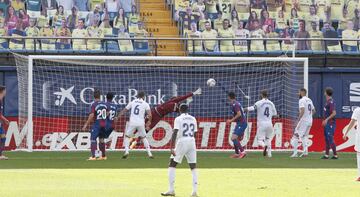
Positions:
{"x": 63, "y": 92}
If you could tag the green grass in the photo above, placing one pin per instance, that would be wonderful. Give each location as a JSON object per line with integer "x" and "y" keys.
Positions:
{"x": 68, "y": 174}
{"x": 77, "y": 160}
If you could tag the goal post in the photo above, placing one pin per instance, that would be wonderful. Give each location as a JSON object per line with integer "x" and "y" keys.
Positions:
{"x": 55, "y": 92}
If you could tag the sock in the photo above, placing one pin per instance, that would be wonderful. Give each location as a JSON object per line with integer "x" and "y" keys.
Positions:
{"x": 236, "y": 146}
{"x": 269, "y": 150}
{"x": 147, "y": 146}
{"x": 195, "y": 180}
{"x": 102, "y": 148}
{"x": 333, "y": 147}
{"x": 304, "y": 145}
{"x": 126, "y": 144}
{"x": 295, "y": 143}
{"x": 2, "y": 145}
{"x": 241, "y": 148}
{"x": 327, "y": 150}
{"x": 358, "y": 162}
{"x": 268, "y": 144}
{"x": 93, "y": 147}
{"x": 171, "y": 179}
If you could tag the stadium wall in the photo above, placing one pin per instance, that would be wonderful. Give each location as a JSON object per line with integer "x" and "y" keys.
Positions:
{"x": 345, "y": 81}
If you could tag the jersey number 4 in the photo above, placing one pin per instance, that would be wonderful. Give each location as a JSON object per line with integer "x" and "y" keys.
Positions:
{"x": 188, "y": 130}
{"x": 267, "y": 112}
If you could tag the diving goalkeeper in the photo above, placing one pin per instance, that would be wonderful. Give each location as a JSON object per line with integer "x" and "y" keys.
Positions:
{"x": 164, "y": 109}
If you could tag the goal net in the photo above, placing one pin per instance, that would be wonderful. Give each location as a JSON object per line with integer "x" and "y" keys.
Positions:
{"x": 55, "y": 94}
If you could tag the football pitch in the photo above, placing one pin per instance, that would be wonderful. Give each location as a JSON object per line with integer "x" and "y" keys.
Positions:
{"x": 69, "y": 174}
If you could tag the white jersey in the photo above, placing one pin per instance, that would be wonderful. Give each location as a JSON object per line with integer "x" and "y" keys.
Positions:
{"x": 265, "y": 111}
{"x": 308, "y": 105}
{"x": 138, "y": 109}
{"x": 186, "y": 126}
{"x": 356, "y": 116}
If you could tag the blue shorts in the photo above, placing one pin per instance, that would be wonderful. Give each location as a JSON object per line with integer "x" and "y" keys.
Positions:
{"x": 97, "y": 133}
{"x": 2, "y": 131}
{"x": 240, "y": 129}
{"x": 329, "y": 130}
{"x": 108, "y": 132}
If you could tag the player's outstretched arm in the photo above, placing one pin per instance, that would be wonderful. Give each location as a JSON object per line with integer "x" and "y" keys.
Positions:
{"x": 182, "y": 98}
{"x": 122, "y": 112}
{"x": 88, "y": 121}
{"x": 249, "y": 109}
{"x": 197, "y": 92}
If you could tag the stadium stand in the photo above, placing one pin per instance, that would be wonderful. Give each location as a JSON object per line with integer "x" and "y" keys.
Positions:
{"x": 256, "y": 26}
{"x": 92, "y": 20}
{"x": 263, "y": 19}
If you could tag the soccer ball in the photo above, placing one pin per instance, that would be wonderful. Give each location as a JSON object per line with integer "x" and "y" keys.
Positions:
{"x": 211, "y": 82}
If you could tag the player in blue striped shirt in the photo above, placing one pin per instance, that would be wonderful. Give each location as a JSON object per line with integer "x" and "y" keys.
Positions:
{"x": 241, "y": 124}
{"x": 329, "y": 124}
{"x": 98, "y": 115}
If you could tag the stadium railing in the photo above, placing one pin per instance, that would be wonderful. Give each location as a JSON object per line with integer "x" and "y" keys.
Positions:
{"x": 149, "y": 45}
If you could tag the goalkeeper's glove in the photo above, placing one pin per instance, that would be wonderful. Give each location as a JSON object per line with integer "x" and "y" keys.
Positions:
{"x": 189, "y": 100}
{"x": 197, "y": 92}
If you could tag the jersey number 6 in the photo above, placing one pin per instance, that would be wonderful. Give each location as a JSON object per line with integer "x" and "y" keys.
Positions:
{"x": 136, "y": 110}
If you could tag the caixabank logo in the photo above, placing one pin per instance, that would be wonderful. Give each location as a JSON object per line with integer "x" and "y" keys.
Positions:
{"x": 74, "y": 97}
{"x": 64, "y": 94}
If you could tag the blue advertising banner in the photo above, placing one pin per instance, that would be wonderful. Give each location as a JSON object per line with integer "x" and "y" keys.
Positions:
{"x": 68, "y": 90}
{"x": 11, "y": 100}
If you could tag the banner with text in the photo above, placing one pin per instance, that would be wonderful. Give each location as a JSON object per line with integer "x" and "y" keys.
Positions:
{"x": 213, "y": 134}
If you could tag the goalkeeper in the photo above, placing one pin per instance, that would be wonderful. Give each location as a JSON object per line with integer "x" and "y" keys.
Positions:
{"x": 164, "y": 109}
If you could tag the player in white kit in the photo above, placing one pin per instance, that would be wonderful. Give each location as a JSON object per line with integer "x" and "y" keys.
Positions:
{"x": 185, "y": 127}
{"x": 355, "y": 120}
{"x": 265, "y": 110}
{"x": 305, "y": 120}
{"x": 139, "y": 109}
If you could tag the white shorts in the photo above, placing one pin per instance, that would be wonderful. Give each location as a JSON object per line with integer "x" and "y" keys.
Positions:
{"x": 185, "y": 148}
{"x": 131, "y": 129}
{"x": 357, "y": 140}
{"x": 264, "y": 131}
{"x": 303, "y": 128}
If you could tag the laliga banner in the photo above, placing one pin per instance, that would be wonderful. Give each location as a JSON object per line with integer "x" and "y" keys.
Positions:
{"x": 212, "y": 134}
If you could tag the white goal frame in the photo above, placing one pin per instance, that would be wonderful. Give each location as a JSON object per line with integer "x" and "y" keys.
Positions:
{"x": 30, "y": 126}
